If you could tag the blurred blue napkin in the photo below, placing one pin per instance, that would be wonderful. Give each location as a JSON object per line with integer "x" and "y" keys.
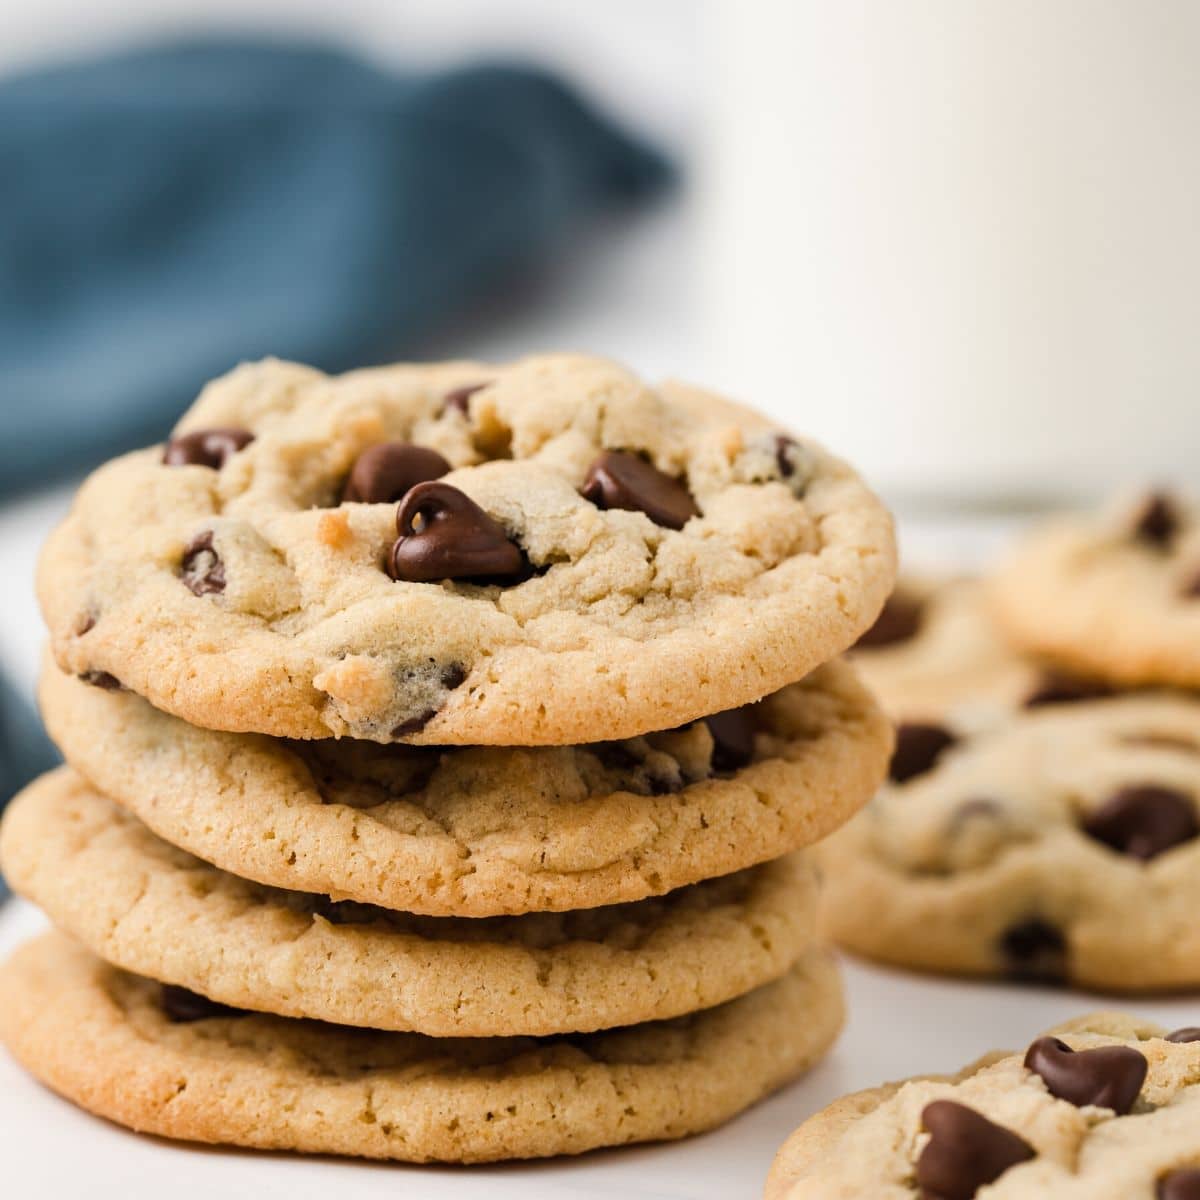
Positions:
{"x": 169, "y": 211}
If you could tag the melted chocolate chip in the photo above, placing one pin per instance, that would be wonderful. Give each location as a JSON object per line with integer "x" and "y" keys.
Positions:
{"x": 785, "y": 451}
{"x": 414, "y": 724}
{"x": 1156, "y": 521}
{"x": 1183, "y": 1184}
{"x": 180, "y": 1005}
{"x": 101, "y": 679}
{"x": 965, "y": 1151}
{"x": 206, "y": 447}
{"x": 1143, "y": 821}
{"x": 457, "y": 398}
{"x": 444, "y": 534}
{"x": 1057, "y": 687}
{"x": 382, "y": 474}
{"x": 918, "y": 747}
{"x": 1189, "y": 1033}
{"x": 618, "y": 479}
{"x": 202, "y": 570}
{"x": 1034, "y": 951}
{"x": 733, "y": 738}
{"x": 899, "y": 621}
{"x": 455, "y": 675}
{"x": 1108, "y": 1076}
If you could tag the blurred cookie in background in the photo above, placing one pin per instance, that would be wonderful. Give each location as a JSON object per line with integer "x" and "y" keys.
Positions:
{"x": 1114, "y": 596}
{"x": 1062, "y": 847}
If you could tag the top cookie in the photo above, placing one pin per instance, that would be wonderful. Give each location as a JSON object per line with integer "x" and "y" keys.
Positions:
{"x": 1103, "y": 1108}
{"x": 1116, "y": 597}
{"x": 580, "y": 557}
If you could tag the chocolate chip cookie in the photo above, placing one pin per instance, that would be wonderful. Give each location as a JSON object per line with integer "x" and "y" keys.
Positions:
{"x": 163, "y": 1062}
{"x": 1064, "y": 847}
{"x": 548, "y": 552}
{"x": 1116, "y": 597}
{"x": 487, "y": 830}
{"x": 1103, "y": 1108}
{"x": 143, "y": 905}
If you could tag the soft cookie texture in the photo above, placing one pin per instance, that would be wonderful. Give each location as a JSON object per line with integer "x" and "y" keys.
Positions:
{"x": 1106, "y": 1107}
{"x": 139, "y": 903}
{"x": 1116, "y": 597}
{"x": 1064, "y": 847}
{"x": 935, "y": 652}
{"x": 101, "y": 1038}
{"x": 495, "y": 604}
{"x": 485, "y": 831}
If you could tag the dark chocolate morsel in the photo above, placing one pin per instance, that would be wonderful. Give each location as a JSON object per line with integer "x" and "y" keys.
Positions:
{"x": 444, "y": 534}
{"x": 1034, "y": 951}
{"x": 206, "y": 447}
{"x": 453, "y": 676}
{"x": 965, "y": 1151}
{"x": 899, "y": 620}
{"x": 457, "y": 397}
{"x": 785, "y": 447}
{"x": 1181, "y": 1184}
{"x": 382, "y": 474}
{"x": 1057, "y": 687}
{"x": 101, "y": 679}
{"x": 202, "y": 570}
{"x": 618, "y": 479}
{"x": 1156, "y": 521}
{"x": 918, "y": 747}
{"x": 180, "y": 1005}
{"x": 414, "y": 724}
{"x": 733, "y": 738}
{"x": 1143, "y": 821}
{"x": 1108, "y": 1076}
{"x": 1188, "y": 1033}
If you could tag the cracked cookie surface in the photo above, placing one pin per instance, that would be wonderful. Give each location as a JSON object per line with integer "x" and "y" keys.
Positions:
{"x": 1115, "y": 596}
{"x": 483, "y": 831}
{"x": 1039, "y": 1123}
{"x": 1063, "y": 847}
{"x": 232, "y": 585}
{"x": 149, "y": 908}
{"x": 100, "y": 1038}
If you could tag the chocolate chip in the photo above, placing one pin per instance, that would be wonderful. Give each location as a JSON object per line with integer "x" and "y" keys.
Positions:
{"x": 1057, "y": 687}
{"x": 1108, "y": 1076}
{"x": 457, "y": 397}
{"x": 1156, "y": 521}
{"x": 444, "y": 534}
{"x": 965, "y": 1151}
{"x": 899, "y": 621}
{"x": 414, "y": 724}
{"x": 453, "y": 676}
{"x": 202, "y": 569}
{"x": 733, "y": 738}
{"x": 180, "y": 1005}
{"x": 206, "y": 447}
{"x": 382, "y": 474}
{"x": 1183, "y": 1184}
{"x": 618, "y": 479}
{"x": 786, "y": 449}
{"x": 1189, "y": 1033}
{"x": 1143, "y": 821}
{"x": 918, "y": 747}
{"x": 101, "y": 679}
{"x": 1034, "y": 951}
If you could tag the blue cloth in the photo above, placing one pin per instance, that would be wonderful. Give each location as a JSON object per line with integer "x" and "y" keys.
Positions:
{"x": 167, "y": 212}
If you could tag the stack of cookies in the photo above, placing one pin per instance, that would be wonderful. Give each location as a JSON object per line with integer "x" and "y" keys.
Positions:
{"x": 443, "y": 745}
{"x": 1042, "y": 820}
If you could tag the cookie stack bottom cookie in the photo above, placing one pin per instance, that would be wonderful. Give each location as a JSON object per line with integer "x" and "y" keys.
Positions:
{"x": 430, "y": 955}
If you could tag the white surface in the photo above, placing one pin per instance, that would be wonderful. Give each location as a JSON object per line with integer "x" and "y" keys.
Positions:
{"x": 958, "y": 240}
{"x": 899, "y": 1025}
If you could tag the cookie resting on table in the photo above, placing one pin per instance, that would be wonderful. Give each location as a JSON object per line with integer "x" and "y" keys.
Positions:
{"x": 485, "y": 831}
{"x": 547, "y": 552}
{"x": 1064, "y": 847}
{"x": 103, "y": 877}
{"x": 1106, "y": 1107}
{"x": 1116, "y": 597}
{"x": 167, "y": 1063}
